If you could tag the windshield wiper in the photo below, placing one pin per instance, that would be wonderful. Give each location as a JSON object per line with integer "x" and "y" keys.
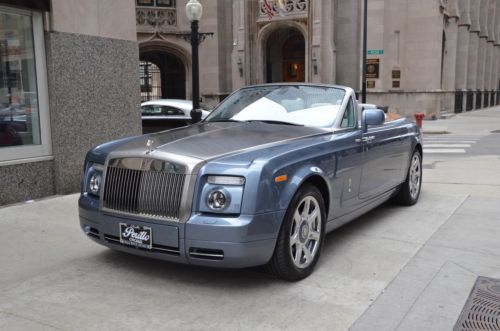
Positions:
{"x": 224, "y": 120}
{"x": 276, "y": 122}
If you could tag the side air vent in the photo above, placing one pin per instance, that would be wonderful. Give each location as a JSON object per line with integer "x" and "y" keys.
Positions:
{"x": 91, "y": 232}
{"x": 206, "y": 254}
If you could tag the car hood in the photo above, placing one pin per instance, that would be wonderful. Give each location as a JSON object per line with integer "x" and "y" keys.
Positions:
{"x": 206, "y": 141}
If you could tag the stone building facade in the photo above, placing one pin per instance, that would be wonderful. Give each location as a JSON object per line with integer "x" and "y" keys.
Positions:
{"x": 68, "y": 68}
{"x": 241, "y": 46}
{"x": 438, "y": 56}
{"x": 431, "y": 56}
{"x": 68, "y": 81}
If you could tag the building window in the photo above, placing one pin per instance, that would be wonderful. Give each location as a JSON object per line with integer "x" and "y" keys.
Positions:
{"x": 156, "y": 3}
{"x": 24, "y": 127}
{"x": 150, "y": 77}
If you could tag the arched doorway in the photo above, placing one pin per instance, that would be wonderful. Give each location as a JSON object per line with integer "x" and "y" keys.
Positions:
{"x": 285, "y": 56}
{"x": 163, "y": 76}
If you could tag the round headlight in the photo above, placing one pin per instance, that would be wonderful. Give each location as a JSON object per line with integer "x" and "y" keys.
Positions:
{"x": 217, "y": 200}
{"x": 95, "y": 183}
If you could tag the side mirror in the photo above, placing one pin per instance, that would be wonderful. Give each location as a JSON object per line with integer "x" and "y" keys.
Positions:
{"x": 373, "y": 116}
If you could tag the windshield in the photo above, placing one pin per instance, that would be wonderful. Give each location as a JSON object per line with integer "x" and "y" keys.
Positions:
{"x": 152, "y": 110}
{"x": 316, "y": 106}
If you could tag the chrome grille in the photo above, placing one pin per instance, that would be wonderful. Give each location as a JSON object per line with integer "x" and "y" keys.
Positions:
{"x": 144, "y": 192}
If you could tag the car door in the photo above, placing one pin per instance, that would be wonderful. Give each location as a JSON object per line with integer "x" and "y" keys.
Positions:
{"x": 348, "y": 162}
{"x": 384, "y": 151}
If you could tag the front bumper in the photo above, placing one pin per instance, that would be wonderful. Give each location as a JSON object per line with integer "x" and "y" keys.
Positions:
{"x": 207, "y": 240}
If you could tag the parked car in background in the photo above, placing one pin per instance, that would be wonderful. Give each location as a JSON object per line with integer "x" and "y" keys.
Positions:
{"x": 260, "y": 181}
{"x": 164, "y": 114}
{"x": 13, "y": 123}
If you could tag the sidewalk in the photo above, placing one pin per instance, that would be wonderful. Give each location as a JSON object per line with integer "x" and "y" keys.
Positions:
{"x": 473, "y": 122}
{"x": 431, "y": 289}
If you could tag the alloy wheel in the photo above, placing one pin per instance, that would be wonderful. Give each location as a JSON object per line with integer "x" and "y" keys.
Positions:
{"x": 305, "y": 232}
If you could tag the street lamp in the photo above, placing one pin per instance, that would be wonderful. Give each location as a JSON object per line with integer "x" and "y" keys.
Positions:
{"x": 365, "y": 50}
{"x": 194, "y": 10}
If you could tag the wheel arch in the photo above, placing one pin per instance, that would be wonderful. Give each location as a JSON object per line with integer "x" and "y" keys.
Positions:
{"x": 418, "y": 147}
{"x": 313, "y": 176}
{"x": 320, "y": 183}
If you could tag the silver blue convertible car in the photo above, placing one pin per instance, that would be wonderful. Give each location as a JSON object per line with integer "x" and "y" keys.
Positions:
{"x": 260, "y": 181}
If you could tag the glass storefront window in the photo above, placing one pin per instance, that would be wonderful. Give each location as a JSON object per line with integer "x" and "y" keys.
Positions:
{"x": 19, "y": 109}
{"x": 24, "y": 96}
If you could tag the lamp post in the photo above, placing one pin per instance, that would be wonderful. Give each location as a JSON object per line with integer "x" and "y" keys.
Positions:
{"x": 365, "y": 50}
{"x": 194, "y": 10}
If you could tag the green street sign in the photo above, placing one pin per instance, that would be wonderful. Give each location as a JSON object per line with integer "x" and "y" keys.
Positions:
{"x": 375, "y": 52}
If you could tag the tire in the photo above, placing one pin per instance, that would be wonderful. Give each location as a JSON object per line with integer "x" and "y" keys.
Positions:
{"x": 301, "y": 236}
{"x": 409, "y": 191}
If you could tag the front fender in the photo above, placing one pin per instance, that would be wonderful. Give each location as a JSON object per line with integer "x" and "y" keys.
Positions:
{"x": 295, "y": 181}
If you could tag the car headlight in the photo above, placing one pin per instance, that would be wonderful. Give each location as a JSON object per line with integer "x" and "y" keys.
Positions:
{"x": 94, "y": 179}
{"x": 218, "y": 199}
{"x": 95, "y": 183}
{"x": 222, "y": 194}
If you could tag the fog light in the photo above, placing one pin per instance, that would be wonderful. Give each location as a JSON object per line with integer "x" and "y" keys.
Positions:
{"x": 217, "y": 200}
{"x": 95, "y": 183}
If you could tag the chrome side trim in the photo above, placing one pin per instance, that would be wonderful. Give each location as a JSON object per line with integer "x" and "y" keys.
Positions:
{"x": 202, "y": 255}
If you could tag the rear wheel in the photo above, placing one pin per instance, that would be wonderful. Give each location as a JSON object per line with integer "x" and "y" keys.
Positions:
{"x": 301, "y": 236}
{"x": 409, "y": 191}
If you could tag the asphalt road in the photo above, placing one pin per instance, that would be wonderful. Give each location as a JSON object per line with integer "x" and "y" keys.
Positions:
{"x": 407, "y": 268}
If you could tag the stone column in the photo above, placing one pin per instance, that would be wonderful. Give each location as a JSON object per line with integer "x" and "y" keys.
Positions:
{"x": 496, "y": 54}
{"x": 483, "y": 44}
{"x": 462, "y": 50}
{"x": 496, "y": 75}
{"x": 450, "y": 62}
{"x": 326, "y": 63}
{"x": 489, "y": 52}
{"x": 473, "y": 53}
{"x": 239, "y": 62}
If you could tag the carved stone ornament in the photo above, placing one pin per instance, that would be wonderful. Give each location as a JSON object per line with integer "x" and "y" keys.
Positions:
{"x": 155, "y": 17}
{"x": 286, "y": 7}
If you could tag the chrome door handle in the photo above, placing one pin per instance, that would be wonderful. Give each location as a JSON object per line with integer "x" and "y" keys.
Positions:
{"x": 365, "y": 139}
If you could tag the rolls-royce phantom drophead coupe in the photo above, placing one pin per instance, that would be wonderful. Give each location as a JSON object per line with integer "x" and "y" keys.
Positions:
{"x": 260, "y": 181}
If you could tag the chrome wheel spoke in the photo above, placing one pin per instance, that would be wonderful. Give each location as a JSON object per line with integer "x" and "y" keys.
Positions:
{"x": 298, "y": 254}
{"x": 312, "y": 218}
{"x": 307, "y": 205}
{"x": 314, "y": 235}
{"x": 297, "y": 218}
{"x": 294, "y": 239}
{"x": 308, "y": 256}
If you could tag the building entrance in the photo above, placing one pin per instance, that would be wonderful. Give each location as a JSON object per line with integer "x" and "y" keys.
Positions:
{"x": 285, "y": 56}
{"x": 162, "y": 75}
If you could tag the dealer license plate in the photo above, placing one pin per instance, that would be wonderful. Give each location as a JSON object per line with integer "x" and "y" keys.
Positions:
{"x": 135, "y": 235}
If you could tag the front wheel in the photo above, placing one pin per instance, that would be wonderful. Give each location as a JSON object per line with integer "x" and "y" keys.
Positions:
{"x": 410, "y": 190}
{"x": 301, "y": 236}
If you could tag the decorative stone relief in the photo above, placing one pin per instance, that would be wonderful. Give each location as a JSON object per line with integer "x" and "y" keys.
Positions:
{"x": 151, "y": 19}
{"x": 289, "y": 8}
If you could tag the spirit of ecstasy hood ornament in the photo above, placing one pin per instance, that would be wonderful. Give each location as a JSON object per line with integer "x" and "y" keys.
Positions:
{"x": 149, "y": 145}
